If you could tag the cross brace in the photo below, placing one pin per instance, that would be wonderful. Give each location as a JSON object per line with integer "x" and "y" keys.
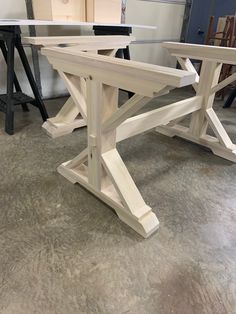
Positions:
{"x": 100, "y": 168}
{"x": 206, "y": 87}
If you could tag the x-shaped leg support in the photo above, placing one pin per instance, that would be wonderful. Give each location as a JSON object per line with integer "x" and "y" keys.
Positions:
{"x": 100, "y": 168}
{"x": 206, "y": 88}
{"x": 72, "y": 115}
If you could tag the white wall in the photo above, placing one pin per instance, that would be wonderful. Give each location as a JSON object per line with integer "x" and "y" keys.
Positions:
{"x": 167, "y": 17}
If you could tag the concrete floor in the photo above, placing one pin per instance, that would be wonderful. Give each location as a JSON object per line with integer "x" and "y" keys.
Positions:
{"x": 63, "y": 251}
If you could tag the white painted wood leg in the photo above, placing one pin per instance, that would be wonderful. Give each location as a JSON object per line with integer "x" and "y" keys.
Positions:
{"x": 220, "y": 144}
{"x": 69, "y": 118}
{"x": 66, "y": 121}
{"x": 100, "y": 168}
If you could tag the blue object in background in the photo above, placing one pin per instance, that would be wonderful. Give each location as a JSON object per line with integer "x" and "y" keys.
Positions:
{"x": 200, "y": 16}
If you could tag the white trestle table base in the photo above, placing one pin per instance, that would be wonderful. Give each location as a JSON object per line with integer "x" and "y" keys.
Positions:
{"x": 100, "y": 168}
{"x": 206, "y": 88}
{"x": 70, "y": 117}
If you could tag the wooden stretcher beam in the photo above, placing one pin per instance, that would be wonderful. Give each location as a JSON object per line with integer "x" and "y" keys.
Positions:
{"x": 202, "y": 52}
{"x": 224, "y": 83}
{"x": 112, "y": 70}
{"x": 162, "y": 116}
{"x": 84, "y": 42}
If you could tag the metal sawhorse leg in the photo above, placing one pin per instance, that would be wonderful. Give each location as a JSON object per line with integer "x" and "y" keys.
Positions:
{"x": 10, "y": 38}
{"x": 230, "y": 99}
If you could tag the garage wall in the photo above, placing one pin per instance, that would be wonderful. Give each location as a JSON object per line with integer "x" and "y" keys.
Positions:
{"x": 167, "y": 17}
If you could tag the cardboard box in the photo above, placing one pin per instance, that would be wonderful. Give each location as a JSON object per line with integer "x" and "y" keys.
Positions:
{"x": 104, "y": 11}
{"x": 65, "y": 10}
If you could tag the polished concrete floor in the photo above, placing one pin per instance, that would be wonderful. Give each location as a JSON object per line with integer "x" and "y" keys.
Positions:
{"x": 62, "y": 251}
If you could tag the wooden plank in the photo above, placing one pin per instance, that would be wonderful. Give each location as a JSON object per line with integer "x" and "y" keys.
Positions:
{"x": 55, "y": 129}
{"x": 210, "y": 74}
{"x": 223, "y": 83}
{"x": 126, "y": 188}
{"x": 131, "y": 69}
{"x": 162, "y": 116}
{"x": 94, "y": 111}
{"x": 187, "y": 65}
{"x": 110, "y": 106}
{"x": 135, "y": 84}
{"x": 128, "y": 109}
{"x": 65, "y": 121}
{"x": 22, "y": 22}
{"x": 106, "y": 41}
{"x": 67, "y": 10}
{"x": 202, "y": 52}
{"x": 68, "y": 113}
{"x": 220, "y": 28}
{"x": 125, "y": 111}
{"x": 78, "y": 160}
{"x": 73, "y": 85}
{"x": 104, "y": 11}
{"x": 218, "y": 128}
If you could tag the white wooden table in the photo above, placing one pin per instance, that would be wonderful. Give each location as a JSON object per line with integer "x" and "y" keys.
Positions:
{"x": 99, "y": 168}
{"x": 206, "y": 88}
{"x": 21, "y": 22}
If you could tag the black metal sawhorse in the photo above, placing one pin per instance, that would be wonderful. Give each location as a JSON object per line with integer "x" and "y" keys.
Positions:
{"x": 10, "y": 38}
{"x": 115, "y": 30}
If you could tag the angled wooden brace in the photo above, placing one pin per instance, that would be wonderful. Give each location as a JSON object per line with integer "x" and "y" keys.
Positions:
{"x": 100, "y": 168}
{"x": 206, "y": 87}
{"x": 70, "y": 117}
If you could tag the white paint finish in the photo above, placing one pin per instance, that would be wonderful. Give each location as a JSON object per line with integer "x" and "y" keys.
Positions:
{"x": 82, "y": 42}
{"x": 22, "y": 22}
{"x": 202, "y": 52}
{"x": 213, "y": 59}
{"x": 162, "y": 116}
{"x": 156, "y": 14}
{"x": 105, "y": 174}
{"x": 66, "y": 120}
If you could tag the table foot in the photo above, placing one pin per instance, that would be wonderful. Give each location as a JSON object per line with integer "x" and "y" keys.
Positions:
{"x": 208, "y": 141}
{"x": 55, "y": 128}
{"x": 142, "y": 220}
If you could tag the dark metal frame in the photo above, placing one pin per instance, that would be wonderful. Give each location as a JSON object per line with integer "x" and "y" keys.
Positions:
{"x": 230, "y": 99}
{"x": 186, "y": 20}
{"x": 10, "y": 38}
{"x": 34, "y": 49}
